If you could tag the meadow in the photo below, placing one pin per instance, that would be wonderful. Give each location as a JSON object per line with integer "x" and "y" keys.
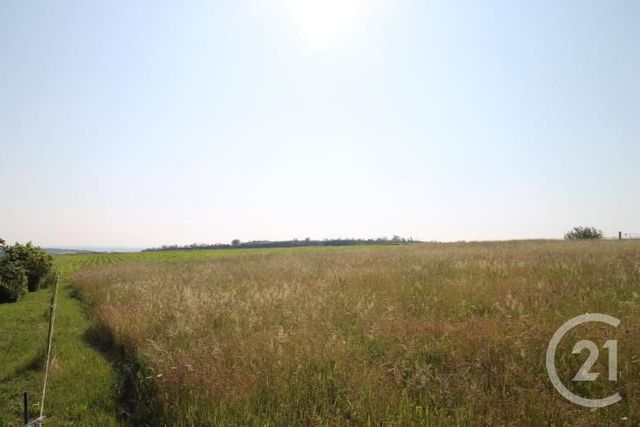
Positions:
{"x": 424, "y": 334}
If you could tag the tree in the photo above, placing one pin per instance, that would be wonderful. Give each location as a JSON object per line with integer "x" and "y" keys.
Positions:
{"x": 580, "y": 233}
{"x": 235, "y": 242}
{"x": 13, "y": 280}
{"x": 35, "y": 262}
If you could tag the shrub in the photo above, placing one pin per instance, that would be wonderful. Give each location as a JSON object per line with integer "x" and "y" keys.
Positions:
{"x": 579, "y": 233}
{"x": 13, "y": 280}
{"x": 35, "y": 262}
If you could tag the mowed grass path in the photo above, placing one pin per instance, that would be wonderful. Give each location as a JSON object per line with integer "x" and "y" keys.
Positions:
{"x": 82, "y": 387}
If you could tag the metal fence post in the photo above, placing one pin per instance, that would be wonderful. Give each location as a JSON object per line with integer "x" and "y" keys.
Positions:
{"x": 25, "y": 402}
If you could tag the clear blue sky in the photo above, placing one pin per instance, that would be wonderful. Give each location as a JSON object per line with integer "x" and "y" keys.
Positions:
{"x": 141, "y": 123}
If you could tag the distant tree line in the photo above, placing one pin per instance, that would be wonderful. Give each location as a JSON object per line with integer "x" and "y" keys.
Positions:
{"x": 23, "y": 268}
{"x": 295, "y": 243}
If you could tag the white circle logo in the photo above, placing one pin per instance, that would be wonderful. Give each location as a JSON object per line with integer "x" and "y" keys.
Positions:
{"x": 585, "y": 374}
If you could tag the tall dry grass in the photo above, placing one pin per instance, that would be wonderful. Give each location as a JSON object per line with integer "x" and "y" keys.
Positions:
{"x": 425, "y": 334}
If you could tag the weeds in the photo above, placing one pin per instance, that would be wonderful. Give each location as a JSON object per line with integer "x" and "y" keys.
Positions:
{"x": 421, "y": 334}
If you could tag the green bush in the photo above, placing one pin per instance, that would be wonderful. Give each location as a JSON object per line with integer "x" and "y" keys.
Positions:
{"x": 13, "y": 280}
{"x": 35, "y": 262}
{"x": 579, "y": 233}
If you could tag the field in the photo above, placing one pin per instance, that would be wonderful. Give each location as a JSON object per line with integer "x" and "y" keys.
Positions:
{"x": 430, "y": 334}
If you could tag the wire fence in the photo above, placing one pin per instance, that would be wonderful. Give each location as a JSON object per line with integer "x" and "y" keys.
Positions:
{"x": 634, "y": 236}
{"x": 52, "y": 317}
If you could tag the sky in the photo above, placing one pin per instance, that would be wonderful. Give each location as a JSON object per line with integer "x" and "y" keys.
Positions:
{"x": 136, "y": 124}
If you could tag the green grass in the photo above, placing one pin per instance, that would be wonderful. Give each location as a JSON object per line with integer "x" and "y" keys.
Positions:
{"x": 82, "y": 384}
{"x": 23, "y": 329}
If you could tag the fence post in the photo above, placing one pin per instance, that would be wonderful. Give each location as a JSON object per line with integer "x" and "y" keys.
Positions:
{"x": 52, "y": 318}
{"x": 25, "y": 402}
{"x": 619, "y": 235}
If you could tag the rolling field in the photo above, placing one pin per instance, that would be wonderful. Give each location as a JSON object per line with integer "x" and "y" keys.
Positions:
{"x": 434, "y": 334}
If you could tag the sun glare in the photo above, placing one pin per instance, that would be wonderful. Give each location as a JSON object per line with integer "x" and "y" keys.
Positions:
{"x": 322, "y": 23}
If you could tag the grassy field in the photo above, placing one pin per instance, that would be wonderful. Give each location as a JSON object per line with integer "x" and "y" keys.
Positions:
{"x": 434, "y": 334}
